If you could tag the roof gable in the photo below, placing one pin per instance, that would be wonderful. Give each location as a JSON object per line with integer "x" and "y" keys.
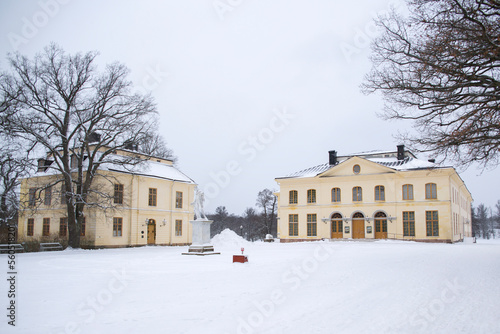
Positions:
{"x": 366, "y": 167}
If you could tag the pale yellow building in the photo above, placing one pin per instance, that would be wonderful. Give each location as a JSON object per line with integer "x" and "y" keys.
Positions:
{"x": 374, "y": 195}
{"x": 149, "y": 204}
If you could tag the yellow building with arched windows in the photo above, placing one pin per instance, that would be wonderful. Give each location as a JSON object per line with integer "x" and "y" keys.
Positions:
{"x": 374, "y": 195}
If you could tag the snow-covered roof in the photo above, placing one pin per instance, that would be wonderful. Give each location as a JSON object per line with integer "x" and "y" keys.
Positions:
{"x": 384, "y": 158}
{"x": 154, "y": 169}
{"x": 151, "y": 168}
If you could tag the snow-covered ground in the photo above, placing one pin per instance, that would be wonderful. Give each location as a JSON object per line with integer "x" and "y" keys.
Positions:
{"x": 316, "y": 287}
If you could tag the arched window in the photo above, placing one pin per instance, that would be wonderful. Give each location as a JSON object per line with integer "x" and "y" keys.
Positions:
{"x": 293, "y": 197}
{"x": 380, "y": 193}
{"x": 430, "y": 191}
{"x": 311, "y": 196}
{"x": 336, "y": 195}
{"x": 357, "y": 194}
{"x": 408, "y": 191}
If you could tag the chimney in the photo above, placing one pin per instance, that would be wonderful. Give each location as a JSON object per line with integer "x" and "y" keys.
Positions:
{"x": 332, "y": 157}
{"x": 94, "y": 137}
{"x": 41, "y": 165}
{"x": 130, "y": 145}
{"x": 401, "y": 152}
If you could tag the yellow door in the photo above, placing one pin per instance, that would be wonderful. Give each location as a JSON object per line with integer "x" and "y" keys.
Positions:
{"x": 151, "y": 232}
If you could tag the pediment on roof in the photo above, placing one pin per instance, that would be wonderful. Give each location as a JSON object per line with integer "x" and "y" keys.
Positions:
{"x": 366, "y": 167}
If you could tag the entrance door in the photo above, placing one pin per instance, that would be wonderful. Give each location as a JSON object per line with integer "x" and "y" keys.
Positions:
{"x": 380, "y": 225}
{"x": 337, "y": 226}
{"x": 151, "y": 232}
{"x": 358, "y": 226}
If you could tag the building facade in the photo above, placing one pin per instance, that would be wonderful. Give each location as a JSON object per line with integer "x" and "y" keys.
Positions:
{"x": 149, "y": 204}
{"x": 374, "y": 195}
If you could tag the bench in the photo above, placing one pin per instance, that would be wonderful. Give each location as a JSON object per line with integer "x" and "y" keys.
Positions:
{"x": 50, "y": 246}
{"x": 9, "y": 248}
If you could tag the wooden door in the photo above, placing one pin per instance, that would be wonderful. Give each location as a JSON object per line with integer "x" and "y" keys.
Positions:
{"x": 380, "y": 228}
{"x": 151, "y": 232}
{"x": 358, "y": 226}
{"x": 380, "y": 225}
{"x": 337, "y": 226}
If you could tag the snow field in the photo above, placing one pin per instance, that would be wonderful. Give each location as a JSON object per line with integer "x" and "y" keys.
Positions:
{"x": 315, "y": 287}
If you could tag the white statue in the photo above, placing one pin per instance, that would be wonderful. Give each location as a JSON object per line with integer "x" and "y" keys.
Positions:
{"x": 199, "y": 198}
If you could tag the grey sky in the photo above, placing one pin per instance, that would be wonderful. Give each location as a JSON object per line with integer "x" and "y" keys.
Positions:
{"x": 247, "y": 90}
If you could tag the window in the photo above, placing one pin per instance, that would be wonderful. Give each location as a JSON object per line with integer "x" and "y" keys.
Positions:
{"x": 357, "y": 194}
{"x": 82, "y": 227}
{"x": 380, "y": 193}
{"x": 178, "y": 200}
{"x": 118, "y": 196}
{"x": 311, "y": 225}
{"x": 152, "y": 197}
{"x": 432, "y": 223}
{"x": 63, "y": 194}
{"x": 31, "y": 227}
{"x": 46, "y": 227}
{"x": 293, "y": 197}
{"x": 430, "y": 191}
{"x": 32, "y": 197}
{"x": 74, "y": 161}
{"x": 356, "y": 169}
{"x": 117, "y": 227}
{"x": 178, "y": 228}
{"x": 408, "y": 191}
{"x": 63, "y": 227}
{"x": 311, "y": 196}
{"x": 48, "y": 195}
{"x": 336, "y": 195}
{"x": 408, "y": 223}
{"x": 293, "y": 225}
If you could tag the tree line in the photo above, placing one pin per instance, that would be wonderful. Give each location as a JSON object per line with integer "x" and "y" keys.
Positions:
{"x": 485, "y": 221}
{"x": 252, "y": 224}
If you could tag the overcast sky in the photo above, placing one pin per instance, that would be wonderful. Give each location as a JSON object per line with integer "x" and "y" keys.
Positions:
{"x": 247, "y": 90}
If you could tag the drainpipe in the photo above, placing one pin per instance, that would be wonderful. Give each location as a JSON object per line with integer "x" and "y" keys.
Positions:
{"x": 137, "y": 215}
{"x": 131, "y": 210}
{"x": 171, "y": 210}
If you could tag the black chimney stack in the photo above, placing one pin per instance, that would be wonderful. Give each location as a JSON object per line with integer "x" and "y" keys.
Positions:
{"x": 333, "y": 157}
{"x": 41, "y": 165}
{"x": 94, "y": 137}
{"x": 401, "y": 152}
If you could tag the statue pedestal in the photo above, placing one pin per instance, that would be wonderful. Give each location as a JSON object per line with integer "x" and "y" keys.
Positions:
{"x": 201, "y": 238}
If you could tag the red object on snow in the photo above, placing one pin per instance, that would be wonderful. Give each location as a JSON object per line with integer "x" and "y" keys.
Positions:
{"x": 242, "y": 249}
{"x": 240, "y": 258}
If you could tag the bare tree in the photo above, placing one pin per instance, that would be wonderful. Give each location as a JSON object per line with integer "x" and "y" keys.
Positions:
{"x": 154, "y": 144}
{"x": 79, "y": 116}
{"x": 267, "y": 201}
{"x": 13, "y": 166}
{"x": 439, "y": 67}
{"x": 497, "y": 215}
{"x": 251, "y": 221}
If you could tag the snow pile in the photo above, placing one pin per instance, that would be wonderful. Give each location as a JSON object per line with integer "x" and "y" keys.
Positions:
{"x": 228, "y": 238}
